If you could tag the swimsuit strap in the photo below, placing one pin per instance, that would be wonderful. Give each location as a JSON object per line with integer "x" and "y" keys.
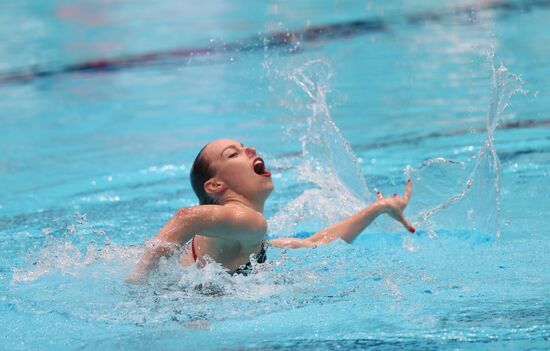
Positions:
{"x": 193, "y": 249}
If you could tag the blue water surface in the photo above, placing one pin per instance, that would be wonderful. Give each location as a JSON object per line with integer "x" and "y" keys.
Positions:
{"x": 341, "y": 99}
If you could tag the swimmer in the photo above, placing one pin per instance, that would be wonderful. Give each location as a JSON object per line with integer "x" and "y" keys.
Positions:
{"x": 232, "y": 184}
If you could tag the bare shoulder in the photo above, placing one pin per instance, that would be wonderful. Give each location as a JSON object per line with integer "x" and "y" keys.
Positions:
{"x": 229, "y": 217}
{"x": 245, "y": 217}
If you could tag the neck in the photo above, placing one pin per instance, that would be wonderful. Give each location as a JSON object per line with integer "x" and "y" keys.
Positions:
{"x": 234, "y": 199}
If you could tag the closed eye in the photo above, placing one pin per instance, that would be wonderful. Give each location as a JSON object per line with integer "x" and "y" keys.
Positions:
{"x": 233, "y": 155}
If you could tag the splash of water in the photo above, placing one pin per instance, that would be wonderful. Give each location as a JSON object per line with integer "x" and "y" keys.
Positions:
{"x": 89, "y": 285}
{"x": 323, "y": 146}
{"x": 448, "y": 193}
{"x": 327, "y": 161}
{"x": 466, "y": 195}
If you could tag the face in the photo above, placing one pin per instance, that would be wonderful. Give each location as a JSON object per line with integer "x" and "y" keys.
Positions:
{"x": 238, "y": 168}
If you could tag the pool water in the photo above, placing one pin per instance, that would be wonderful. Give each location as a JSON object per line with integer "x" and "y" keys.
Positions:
{"x": 104, "y": 105}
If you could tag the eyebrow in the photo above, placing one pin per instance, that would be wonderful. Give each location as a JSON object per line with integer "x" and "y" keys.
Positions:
{"x": 230, "y": 146}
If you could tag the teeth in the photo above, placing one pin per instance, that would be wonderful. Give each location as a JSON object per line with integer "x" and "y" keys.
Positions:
{"x": 258, "y": 162}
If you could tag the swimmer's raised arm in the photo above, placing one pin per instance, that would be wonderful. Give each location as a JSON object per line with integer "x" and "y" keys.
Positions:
{"x": 206, "y": 220}
{"x": 351, "y": 227}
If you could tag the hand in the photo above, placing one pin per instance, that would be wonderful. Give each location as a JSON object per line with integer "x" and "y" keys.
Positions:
{"x": 394, "y": 206}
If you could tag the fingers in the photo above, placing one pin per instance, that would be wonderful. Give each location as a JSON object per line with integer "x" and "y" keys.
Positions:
{"x": 379, "y": 195}
{"x": 406, "y": 223}
{"x": 408, "y": 191}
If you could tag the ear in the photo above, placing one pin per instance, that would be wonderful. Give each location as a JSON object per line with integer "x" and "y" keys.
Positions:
{"x": 214, "y": 186}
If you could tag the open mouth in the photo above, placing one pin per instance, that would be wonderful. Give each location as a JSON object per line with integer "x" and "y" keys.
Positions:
{"x": 259, "y": 167}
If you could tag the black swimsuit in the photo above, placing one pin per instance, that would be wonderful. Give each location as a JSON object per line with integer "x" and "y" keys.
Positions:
{"x": 244, "y": 269}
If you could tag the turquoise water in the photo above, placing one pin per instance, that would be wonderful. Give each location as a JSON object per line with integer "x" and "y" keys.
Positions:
{"x": 93, "y": 162}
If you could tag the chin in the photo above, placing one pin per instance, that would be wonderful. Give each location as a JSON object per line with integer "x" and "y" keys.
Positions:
{"x": 270, "y": 185}
{"x": 267, "y": 189}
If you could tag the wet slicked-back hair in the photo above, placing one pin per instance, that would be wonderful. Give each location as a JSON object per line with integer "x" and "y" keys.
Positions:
{"x": 200, "y": 173}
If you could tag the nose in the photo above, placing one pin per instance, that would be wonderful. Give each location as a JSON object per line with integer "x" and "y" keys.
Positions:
{"x": 251, "y": 151}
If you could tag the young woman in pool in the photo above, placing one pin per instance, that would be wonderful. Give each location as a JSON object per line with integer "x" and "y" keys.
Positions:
{"x": 232, "y": 184}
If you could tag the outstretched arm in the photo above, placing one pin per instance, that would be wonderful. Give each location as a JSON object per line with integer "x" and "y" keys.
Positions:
{"x": 207, "y": 220}
{"x": 351, "y": 227}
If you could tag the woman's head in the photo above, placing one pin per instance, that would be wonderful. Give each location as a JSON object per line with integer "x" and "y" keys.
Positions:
{"x": 226, "y": 168}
